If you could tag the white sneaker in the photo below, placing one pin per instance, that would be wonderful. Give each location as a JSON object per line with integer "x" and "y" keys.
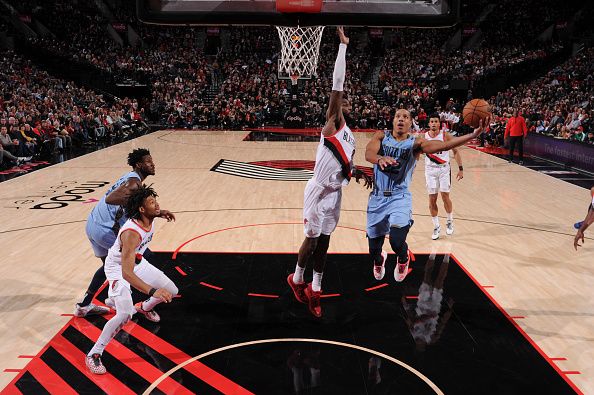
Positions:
{"x": 401, "y": 269}
{"x": 150, "y": 315}
{"x": 95, "y": 365}
{"x": 449, "y": 228}
{"x": 380, "y": 271}
{"x": 90, "y": 309}
{"x": 436, "y": 231}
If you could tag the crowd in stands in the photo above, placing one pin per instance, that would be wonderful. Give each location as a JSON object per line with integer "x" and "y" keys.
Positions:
{"x": 238, "y": 86}
{"x": 41, "y": 114}
{"x": 559, "y": 104}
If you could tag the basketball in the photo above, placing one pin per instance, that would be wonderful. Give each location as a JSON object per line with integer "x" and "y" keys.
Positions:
{"x": 474, "y": 111}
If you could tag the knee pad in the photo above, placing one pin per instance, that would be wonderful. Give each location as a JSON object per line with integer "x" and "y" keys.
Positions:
{"x": 398, "y": 242}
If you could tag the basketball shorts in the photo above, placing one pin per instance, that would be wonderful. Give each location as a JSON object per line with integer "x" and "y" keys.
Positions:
{"x": 101, "y": 238}
{"x": 321, "y": 209}
{"x": 438, "y": 179}
{"x": 119, "y": 289}
{"x": 384, "y": 212}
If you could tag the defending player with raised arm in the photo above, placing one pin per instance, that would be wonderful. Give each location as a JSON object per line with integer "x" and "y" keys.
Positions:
{"x": 323, "y": 192}
{"x": 125, "y": 266}
{"x": 389, "y": 210}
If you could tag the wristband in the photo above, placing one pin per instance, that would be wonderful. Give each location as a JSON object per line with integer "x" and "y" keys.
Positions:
{"x": 152, "y": 291}
{"x": 461, "y": 168}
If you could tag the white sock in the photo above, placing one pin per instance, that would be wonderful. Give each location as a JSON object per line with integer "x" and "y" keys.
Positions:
{"x": 150, "y": 303}
{"x": 450, "y": 216}
{"x": 316, "y": 284}
{"x": 435, "y": 221}
{"x": 111, "y": 328}
{"x": 298, "y": 276}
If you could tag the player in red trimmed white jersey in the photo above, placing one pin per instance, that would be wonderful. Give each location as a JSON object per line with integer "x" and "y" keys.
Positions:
{"x": 438, "y": 176}
{"x": 125, "y": 266}
{"x": 323, "y": 193}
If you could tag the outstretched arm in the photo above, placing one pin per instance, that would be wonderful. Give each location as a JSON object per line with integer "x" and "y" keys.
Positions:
{"x": 587, "y": 222}
{"x": 432, "y": 146}
{"x": 334, "y": 117}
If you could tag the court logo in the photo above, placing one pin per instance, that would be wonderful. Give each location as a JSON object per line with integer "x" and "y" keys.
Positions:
{"x": 274, "y": 170}
{"x": 59, "y": 195}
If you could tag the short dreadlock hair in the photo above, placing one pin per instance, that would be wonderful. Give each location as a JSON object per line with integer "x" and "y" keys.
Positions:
{"x": 136, "y": 156}
{"x": 136, "y": 199}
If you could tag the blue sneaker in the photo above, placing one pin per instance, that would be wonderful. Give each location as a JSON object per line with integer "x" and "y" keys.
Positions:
{"x": 578, "y": 225}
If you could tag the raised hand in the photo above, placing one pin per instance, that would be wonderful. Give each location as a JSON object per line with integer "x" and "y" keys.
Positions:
{"x": 483, "y": 123}
{"x": 343, "y": 39}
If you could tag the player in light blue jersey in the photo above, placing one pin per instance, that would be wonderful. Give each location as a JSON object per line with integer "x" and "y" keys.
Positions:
{"x": 108, "y": 216}
{"x": 389, "y": 211}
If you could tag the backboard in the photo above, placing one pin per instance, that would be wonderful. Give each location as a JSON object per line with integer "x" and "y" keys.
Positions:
{"x": 372, "y": 13}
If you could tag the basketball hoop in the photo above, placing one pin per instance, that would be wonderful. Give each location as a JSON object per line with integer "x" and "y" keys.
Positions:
{"x": 300, "y": 47}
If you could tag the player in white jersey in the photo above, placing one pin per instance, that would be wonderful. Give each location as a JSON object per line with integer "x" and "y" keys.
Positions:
{"x": 125, "y": 267}
{"x": 321, "y": 207}
{"x": 106, "y": 218}
{"x": 439, "y": 178}
{"x": 584, "y": 224}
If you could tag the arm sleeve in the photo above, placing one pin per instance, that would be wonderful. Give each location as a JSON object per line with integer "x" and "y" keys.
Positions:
{"x": 339, "y": 69}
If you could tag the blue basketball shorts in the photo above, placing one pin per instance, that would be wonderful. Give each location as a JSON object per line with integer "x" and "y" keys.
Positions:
{"x": 384, "y": 212}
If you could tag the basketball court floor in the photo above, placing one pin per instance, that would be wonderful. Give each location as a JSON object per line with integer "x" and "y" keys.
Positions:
{"x": 516, "y": 315}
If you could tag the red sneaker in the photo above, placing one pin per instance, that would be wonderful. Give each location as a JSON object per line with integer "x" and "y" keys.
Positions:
{"x": 313, "y": 299}
{"x": 298, "y": 289}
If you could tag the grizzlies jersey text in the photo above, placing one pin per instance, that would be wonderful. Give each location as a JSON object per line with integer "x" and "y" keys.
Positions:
{"x": 398, "y": 176}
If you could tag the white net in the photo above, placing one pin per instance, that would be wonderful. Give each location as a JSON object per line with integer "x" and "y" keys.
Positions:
{"x": 300, "y": 47}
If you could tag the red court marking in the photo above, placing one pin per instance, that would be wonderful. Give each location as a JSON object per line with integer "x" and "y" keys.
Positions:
{"x": 26, "y": 356}
{"x": 262, "y": 295}
{"x": 412, "y": 297}
{"x": 43, "y": 349}
{"x": 180, "y": 271}
{"x": 177, "y": 250}
{"x": 488, "y": 286}
{"x": 107, "y": 382}
{"x": 329, "y": 295}
{"x": 559, "y": 359}
{"x": 376, "y": 287}
{"x": 211, "y": 286}
{"x": 571, "y": 372}
{"x": 67, "y": 315}
{"x": 13, "y": 370}
{"x": 132, "y": 360}
{"x": 49, "y": 379}
{"x": 519, "y": 328}
{"x": 517, "y": 317}
{"x": 197, "y": 368}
